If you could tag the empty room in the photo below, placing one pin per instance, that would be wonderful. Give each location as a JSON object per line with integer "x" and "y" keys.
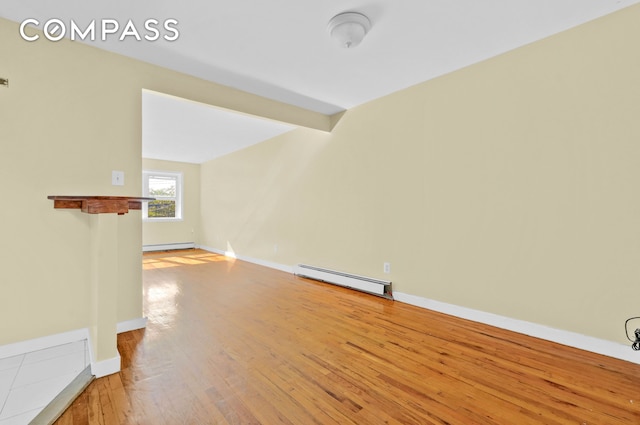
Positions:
{"x": 331, "y": 212}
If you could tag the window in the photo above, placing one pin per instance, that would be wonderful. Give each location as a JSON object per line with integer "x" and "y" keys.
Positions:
{"x": 166, "y": 187}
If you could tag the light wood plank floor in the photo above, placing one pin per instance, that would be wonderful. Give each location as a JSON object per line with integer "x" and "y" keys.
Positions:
{"x": 230, "y": 342}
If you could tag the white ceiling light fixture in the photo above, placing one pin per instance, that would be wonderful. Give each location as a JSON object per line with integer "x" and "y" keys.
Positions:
{"x": 349, "y": 28}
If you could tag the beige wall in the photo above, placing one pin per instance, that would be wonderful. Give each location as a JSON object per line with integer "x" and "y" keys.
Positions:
{"x": 511, "y": 186}
{"x": 187, "y": 229}
{"x": 71, "y": 115}
{"x": 59, "y": 137}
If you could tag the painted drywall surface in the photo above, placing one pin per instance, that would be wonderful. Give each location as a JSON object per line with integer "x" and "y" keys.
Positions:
{"x": 71, "y": 115}
{"x": 508, "y": 187}
{"x": 129, "y": 266}
{"x": 59, "y": 137}
{"x": 187, "y": 229}
{"x": 104, "y": 272}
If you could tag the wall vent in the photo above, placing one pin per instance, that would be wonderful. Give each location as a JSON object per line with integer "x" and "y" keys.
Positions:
{"x": 370, "y": 285}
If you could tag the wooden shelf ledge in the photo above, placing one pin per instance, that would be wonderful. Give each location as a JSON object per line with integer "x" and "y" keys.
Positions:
{"x": 99, "y": 204}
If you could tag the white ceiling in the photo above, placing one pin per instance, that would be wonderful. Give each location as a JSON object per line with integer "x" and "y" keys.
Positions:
{"x": 181, "y": 130}
{"x": 280, "y": 48}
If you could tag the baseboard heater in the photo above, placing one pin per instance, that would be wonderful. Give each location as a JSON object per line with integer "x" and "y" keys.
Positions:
{"x": 168, "y": 246}
{"x": 378, "y": 287}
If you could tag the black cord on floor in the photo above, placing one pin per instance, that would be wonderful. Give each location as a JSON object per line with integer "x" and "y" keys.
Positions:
{"x": 626, "y": 328}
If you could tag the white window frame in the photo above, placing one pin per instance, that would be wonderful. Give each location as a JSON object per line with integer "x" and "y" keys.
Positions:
{"x": 145, "y": 192}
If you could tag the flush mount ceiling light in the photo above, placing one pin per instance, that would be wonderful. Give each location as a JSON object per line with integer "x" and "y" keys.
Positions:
{"x": 349, "y": 28}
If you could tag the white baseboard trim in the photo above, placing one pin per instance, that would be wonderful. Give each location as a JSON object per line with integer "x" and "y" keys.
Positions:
{"x": 269, "y": 264}
{"x": 168, "y": 246}
{"x": 106, "y": 367}
{"x": 131, "y": 325}
{"x": 49, "y": 341}
{"x": 23, "y": 347}
{"x": 101, "y": 368}
{"x": 572, "y": 339}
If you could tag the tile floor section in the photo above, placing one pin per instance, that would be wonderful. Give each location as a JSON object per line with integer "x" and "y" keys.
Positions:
{"x": 28, "y": 382}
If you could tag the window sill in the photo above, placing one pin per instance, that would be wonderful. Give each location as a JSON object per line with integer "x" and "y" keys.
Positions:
{"x": 162, "y": 220}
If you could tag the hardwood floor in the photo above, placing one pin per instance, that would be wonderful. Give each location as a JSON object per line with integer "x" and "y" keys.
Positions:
{"x": 230, "y": 342}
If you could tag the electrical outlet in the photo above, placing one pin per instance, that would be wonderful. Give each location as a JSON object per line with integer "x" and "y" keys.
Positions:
{"x": 387, "y": 268}
{"x": 117, "y": 178}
